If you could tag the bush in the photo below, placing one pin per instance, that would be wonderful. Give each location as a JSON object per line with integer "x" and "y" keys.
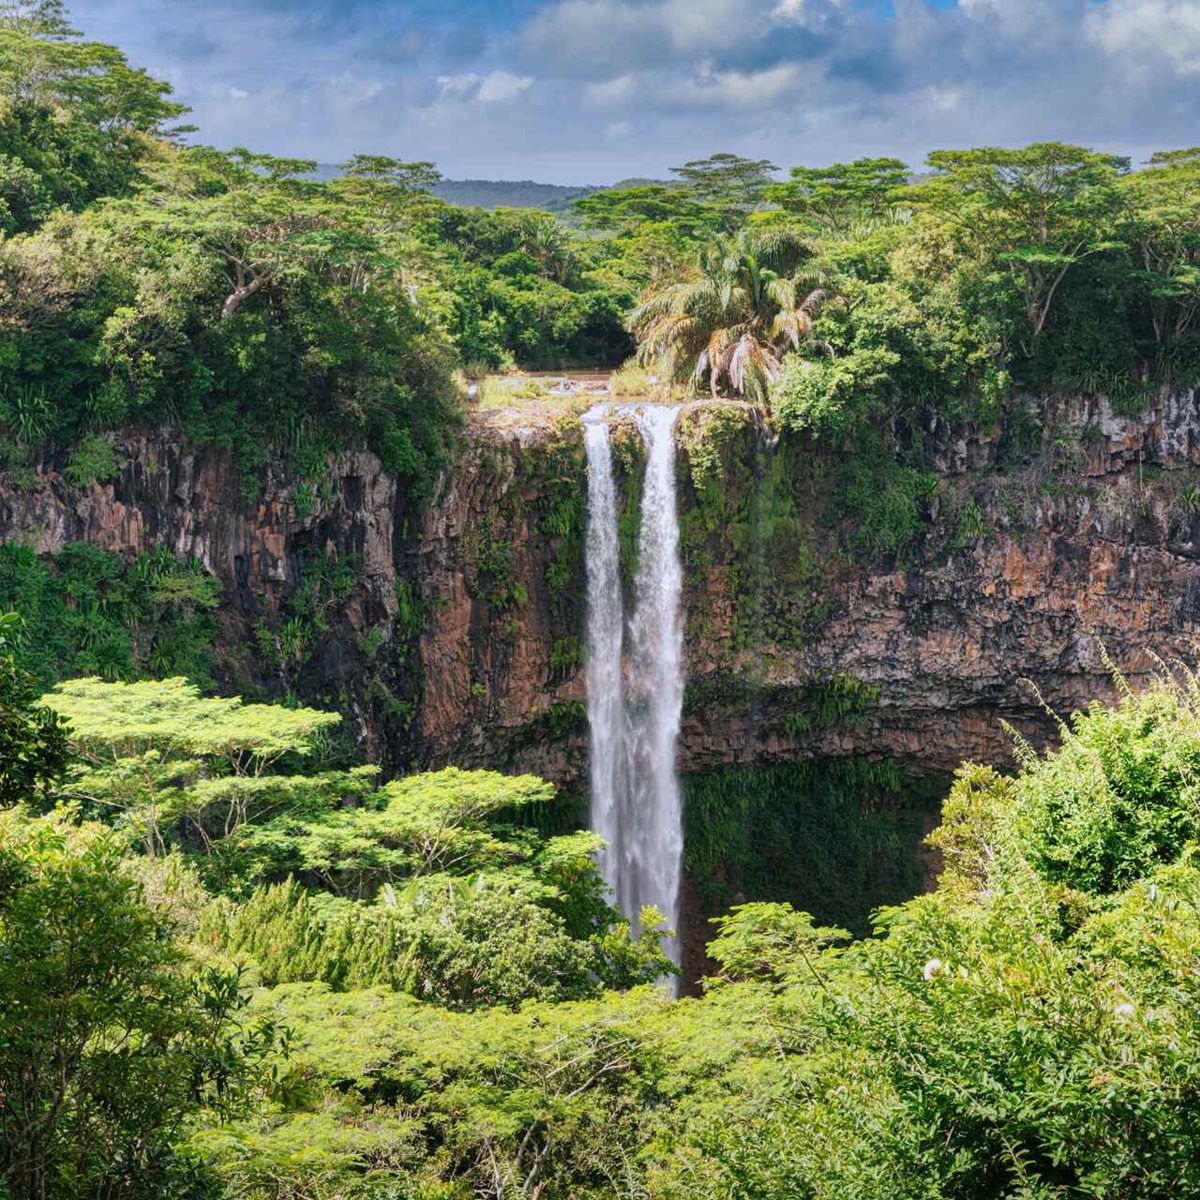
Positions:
{"x": 92, "y": 461}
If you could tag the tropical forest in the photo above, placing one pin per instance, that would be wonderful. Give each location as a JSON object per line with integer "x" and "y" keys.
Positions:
{"x": 680, "y": 689}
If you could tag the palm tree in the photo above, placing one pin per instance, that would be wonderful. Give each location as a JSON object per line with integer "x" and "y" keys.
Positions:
{"x": 749, "y": 305}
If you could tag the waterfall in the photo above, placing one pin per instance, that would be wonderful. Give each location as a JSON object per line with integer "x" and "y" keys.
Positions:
{"x": 605, "y": 629}
{"x": 634, "y": 716}
{"x": 656, "y": 680}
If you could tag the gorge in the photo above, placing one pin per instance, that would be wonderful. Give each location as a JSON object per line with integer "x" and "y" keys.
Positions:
{"x": 456, "y": 633}
{"x": 687, "y": 694}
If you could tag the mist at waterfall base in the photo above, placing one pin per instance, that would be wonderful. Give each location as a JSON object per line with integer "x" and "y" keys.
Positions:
{"x": 635, "y": 673}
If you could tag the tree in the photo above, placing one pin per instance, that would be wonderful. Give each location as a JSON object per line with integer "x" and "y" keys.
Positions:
{"x": 627, "y": 210}
{"x": 517, "y": 290}
{"x": 76, "y": 121}
{"x": 1164, "y": 231}
{"x": 34, "y": 753}
{"x": 731, "y": 186}
{"x": 748, "y": 307}
{"x": 110, "y": 721}
{"x": 108, "y": 1040}
{"x": 406, "y": 178}
{"x": 167, "y": 764}
{"x": 1035, "y": 213}
{"x": 429, "y": 823}
{"x": 254, "y": 211}
{"x": 833, "y": 199}
{"x": 537, "y": 1104}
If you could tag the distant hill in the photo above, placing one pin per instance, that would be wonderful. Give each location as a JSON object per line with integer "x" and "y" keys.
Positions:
{"x": 493, "y": 193}
{"x": 505, "y": 193}
{"x": 509, "y": 193}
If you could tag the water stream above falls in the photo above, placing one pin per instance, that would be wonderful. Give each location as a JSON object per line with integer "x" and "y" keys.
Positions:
{"x": 635, "y": 671}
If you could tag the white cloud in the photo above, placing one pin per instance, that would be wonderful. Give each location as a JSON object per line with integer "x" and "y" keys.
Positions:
{"x": 236, "y": 93}
{"x": 1140, "y": 30}
{"x": 812, "y": 14}
{"x": 500, "y": 85}
{"x": 946, "y": 99}
{"x": 611, "y": 92}
{"x": 459, "y": 87}
{"x": 791, "y": 80}
{"x": 600, "y": 39}
{"x": 493, "y": 88}
{"x": 737, "y": 89}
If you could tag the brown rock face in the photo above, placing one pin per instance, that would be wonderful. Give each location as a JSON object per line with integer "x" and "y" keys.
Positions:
{"x": 460, "y": 639}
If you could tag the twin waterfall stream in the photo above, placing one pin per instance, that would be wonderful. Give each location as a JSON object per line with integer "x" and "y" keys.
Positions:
{"x": 635, "y": 672}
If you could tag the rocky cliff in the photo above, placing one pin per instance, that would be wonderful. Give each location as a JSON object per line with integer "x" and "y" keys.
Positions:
{"x": 455, "y": 632}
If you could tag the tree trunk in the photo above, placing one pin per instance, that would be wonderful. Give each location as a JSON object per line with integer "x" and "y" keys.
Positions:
{"x": 239, "y": 294}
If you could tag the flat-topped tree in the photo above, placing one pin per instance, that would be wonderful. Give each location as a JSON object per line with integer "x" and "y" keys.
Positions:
{"x": 437, "y": 822}
{"x": 1033, "y": 213}
{"x": 393, "y": 172}
{"x": 626, "y": 210}
{"x": 385, "y": 194}
{"x": 111, "y": 721}
{"x": 76, "y": 120}
{"x": 834, "y": 199}
{"x": 170, "y": 766}
{"x": 730, "y": 185}
{"x": 1163, "y": 230}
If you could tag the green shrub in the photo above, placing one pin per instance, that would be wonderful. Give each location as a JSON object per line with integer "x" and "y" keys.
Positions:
{"x": 88, "y": 611}
{"x": 92, "y": 461}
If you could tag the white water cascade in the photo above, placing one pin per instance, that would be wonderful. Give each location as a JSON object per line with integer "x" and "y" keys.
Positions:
{"x": 634, "y": 714}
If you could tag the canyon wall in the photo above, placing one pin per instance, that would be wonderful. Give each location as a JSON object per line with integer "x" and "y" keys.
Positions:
{"x": 1036, "y": 561}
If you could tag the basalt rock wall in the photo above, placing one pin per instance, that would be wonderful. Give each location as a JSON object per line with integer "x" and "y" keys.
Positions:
{"x": 1032, "y": 561}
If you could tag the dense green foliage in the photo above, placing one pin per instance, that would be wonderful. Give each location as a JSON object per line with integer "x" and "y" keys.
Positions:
{"x": 111, "y": 1035}
{"x": 1009, "y": 1035}
{"x": 521, "y": 290}
{"x": 77, "y": 119}
{"x": 736, "y": 320}
{"x": 841, "y": 838}
{"x": 424, "y": 884}
{"x": 232, "y": 293}
{"x": 228, "y": 293}
{"x": 234, "y": 964}
{"x": 441, "y": 1003}
{"x": 1045, "y": 267}
{"x": 89, "y": 612}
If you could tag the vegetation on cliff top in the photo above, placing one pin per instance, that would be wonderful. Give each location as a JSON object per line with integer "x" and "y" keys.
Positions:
{"x": 144, "y": 278}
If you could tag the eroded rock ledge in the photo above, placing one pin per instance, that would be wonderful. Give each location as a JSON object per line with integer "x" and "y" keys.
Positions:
{"x": 461, "y": 637}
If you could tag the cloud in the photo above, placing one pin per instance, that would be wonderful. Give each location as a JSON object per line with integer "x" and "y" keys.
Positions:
{"x": 501, "y": 85}
{"x": 737, "y": 89}
{"x": 610, "y": 92}
{"x": 587, "y": 90}
{"x": 493, "y": 88}
{"x": 459, "y": 87}
{"x": 603, "y": 39}
{"x": 1150, "y": 29}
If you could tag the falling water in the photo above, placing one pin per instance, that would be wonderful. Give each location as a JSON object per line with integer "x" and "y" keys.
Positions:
{"x": 634, "y": 720}
{"x": 606, "y": 705}
{"x": 656, "y": 679}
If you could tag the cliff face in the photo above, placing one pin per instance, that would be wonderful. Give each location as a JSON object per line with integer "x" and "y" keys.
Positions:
{"x": 459, "y": 634}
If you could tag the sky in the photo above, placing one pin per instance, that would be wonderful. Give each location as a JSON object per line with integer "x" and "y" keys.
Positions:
{"x": 592, "y": 91}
